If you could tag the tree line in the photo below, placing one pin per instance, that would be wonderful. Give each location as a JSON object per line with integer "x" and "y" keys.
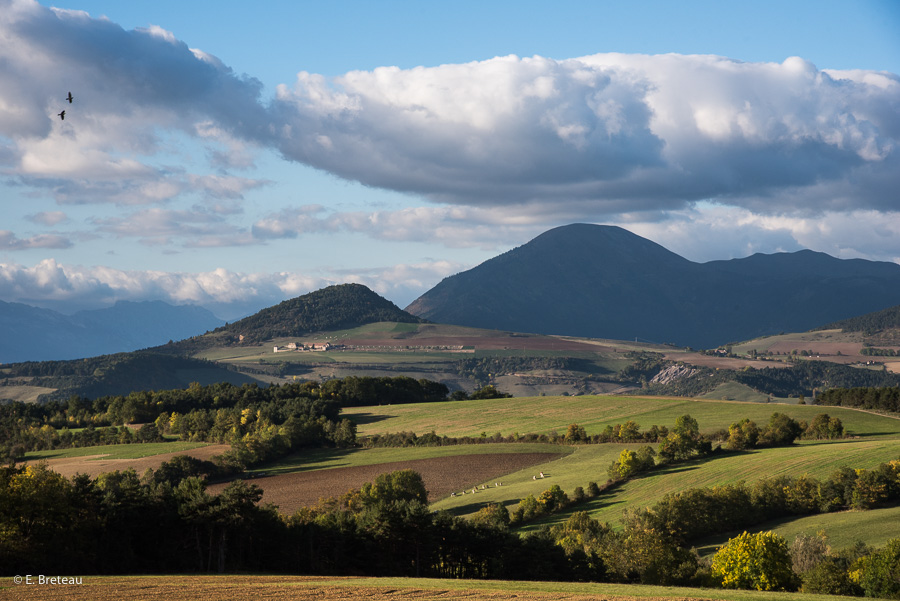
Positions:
{"x": 261, "y": 423}
{"x": 875, "y": 398}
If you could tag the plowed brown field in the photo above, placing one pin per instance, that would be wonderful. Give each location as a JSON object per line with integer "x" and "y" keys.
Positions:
{"x": 287, "y": 588}
{"x": 442, "y": 475}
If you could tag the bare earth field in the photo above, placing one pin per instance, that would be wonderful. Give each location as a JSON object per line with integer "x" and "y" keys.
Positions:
{"x": 442, "y": 475}
{"x": 541, "y": 343}
{"x": 293, "y": 588}
{"x": 823, "y": 348}
{"x": 94, "y": 466}
{"x": 721, "y": 362}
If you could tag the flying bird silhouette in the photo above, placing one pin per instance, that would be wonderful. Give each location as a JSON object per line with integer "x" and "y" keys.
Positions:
{"x": 62, "y": 115}
{"x": 70, "y": 98}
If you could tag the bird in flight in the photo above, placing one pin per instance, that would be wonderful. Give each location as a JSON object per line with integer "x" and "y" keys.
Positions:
{"x": 62, "y": 115}
{"x": 70, "y": 98}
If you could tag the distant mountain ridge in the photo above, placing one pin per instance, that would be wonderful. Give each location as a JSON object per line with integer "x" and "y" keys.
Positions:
{"x": 34, "y": 334}
{"x": 606, "y": 282}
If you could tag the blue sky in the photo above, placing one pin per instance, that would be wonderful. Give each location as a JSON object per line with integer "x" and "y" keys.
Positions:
{"x": 195, "y": 166}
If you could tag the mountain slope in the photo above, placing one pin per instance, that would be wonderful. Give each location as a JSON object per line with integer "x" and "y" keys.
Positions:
{"x": 33, "y": 334}
{"x": 332, "y": 308}
{"x": 603, "y": 281}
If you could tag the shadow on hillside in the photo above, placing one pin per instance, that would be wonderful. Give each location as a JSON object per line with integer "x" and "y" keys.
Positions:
{"x": 303, "y": 461}
{"x": 361, "y": 419}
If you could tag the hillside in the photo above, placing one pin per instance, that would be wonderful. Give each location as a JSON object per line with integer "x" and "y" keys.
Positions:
{"x": 878, "y": 328}
{"x": 332, "y": 308}
{"x": 118, "y": 374}
{"x": 605, "y": 282}
{"x": 34, "y": 334}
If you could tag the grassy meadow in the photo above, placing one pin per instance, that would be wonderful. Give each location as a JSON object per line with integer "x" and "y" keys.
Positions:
{"x": 875, "y": 526}
{"x": 594, "y": 413}
{"x": 118, "y": 451}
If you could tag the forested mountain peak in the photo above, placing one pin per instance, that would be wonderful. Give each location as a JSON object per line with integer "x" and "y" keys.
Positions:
{"x": 332, "y": 308}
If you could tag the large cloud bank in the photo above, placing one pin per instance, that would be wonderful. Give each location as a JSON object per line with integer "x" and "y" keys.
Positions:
{"x": 495, "y": 150}
{"x": 615, "y": 132}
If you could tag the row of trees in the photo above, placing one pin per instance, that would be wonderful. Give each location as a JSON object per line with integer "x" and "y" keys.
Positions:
{"x": 272, "y": 419}
{"x": 875, "y": 398}
{"x": 696, "y": 513}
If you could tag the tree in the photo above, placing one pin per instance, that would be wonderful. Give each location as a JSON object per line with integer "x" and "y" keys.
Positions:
{"x": 575, "y": 433}
{"x": 682, "y": 442}
{"x": 742, "y": 435}
{"x": 492, "y": 515}
{"x": 631, "y": 462}
{"x": 758, "y": 561}
{"x": 808, "y": 551}
{"x": 824, "y": 426}
{"x": 402, "y": 485}
{"x": 781, "y": 430}
{"x": 879, "y": 573}
{"x": 552, "y": 499}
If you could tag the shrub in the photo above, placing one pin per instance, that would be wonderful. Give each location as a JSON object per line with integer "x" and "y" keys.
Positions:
{"x": 758, "y": 561}
{"x": 879, "y": 573}
{"x": 578, "y": 495}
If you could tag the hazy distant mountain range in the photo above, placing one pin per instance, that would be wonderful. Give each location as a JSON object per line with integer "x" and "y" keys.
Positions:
{"x": 605, "y": 282}
{"x": 33, "y": 334}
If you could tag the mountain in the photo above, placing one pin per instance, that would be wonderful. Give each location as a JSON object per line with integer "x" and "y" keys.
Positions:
{"x": 34, "y": 334}
{"x": 332, "y": 308}
{"x": 605, "y": 282}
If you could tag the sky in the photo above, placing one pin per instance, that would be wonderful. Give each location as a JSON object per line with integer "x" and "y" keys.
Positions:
{"x": 236, "y": 154}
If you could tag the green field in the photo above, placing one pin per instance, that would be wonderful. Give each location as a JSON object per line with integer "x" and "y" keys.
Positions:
{"x": 594, "y": 413}
{"x": 590, "y": 462}
{"x": 118, "y": 451}
{"x": 875, "y": 527}
{"x": 875, "y": 439}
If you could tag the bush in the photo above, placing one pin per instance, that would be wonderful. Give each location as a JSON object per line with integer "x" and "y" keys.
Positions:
{"x": 742, "y": 435}
{"x": 879, "y": 573}
{"x": 758, "y": 561}
{"x": 578, "y": 495}
{"x": 807, "y": 552}
{"x": 830, "y": 577}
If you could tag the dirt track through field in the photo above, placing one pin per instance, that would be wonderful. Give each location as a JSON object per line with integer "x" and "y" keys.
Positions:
{"x": 442, "y": 475}
{"x": 280, "y": 588}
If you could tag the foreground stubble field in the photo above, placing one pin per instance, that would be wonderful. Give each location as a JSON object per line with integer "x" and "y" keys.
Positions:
{"x": 309, "y": 588}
